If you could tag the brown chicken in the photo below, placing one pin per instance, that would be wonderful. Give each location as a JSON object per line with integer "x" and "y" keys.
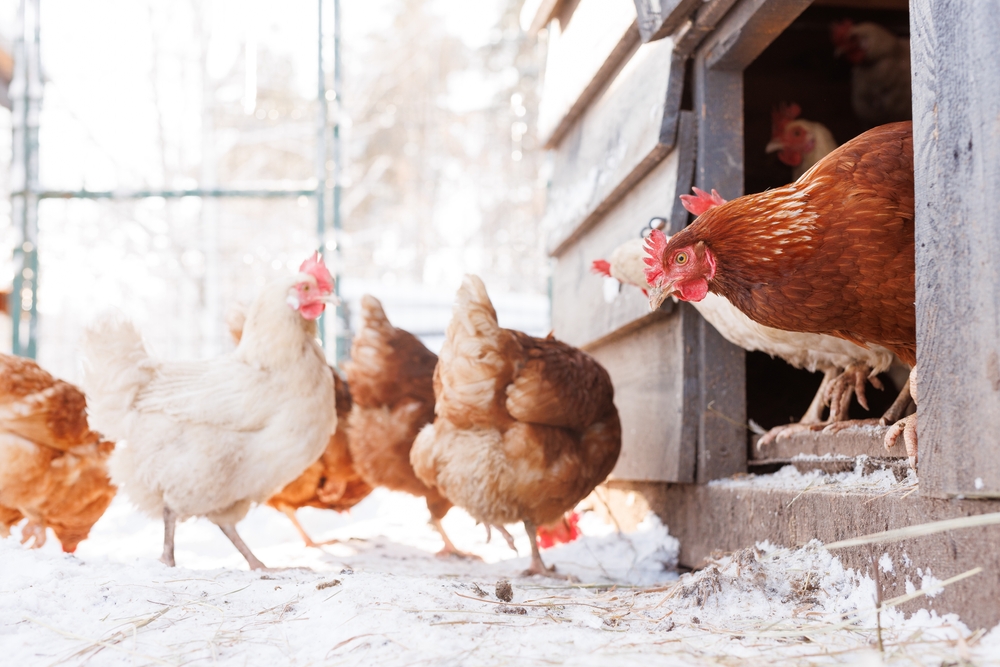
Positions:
{"x": 391, "y": 375}
{"x": 331, "y": 482}
{"x": 831, "y": 253}
{"x": 525, "y": 427}
{"x": 53, "y": 468}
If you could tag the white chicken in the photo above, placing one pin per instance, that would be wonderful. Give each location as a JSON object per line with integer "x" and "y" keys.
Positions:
{"x": 210, "y": 438}
{"x": 845, "y": 366}
{"x": 799, "y": 143}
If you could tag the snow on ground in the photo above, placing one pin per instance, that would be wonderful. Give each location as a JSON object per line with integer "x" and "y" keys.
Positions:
{"x": 381, "y": 597}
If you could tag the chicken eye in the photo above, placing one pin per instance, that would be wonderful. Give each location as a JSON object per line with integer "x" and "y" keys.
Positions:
{"x": 305, "y": 287}
{"x": 681, "y": 258}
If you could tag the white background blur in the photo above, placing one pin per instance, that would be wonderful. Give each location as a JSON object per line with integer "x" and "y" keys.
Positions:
{"x": 441, "y": 174}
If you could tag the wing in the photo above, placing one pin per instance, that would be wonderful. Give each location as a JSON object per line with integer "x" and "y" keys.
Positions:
{"x": 558, "y": 385}
{"x": 224, "y": 393}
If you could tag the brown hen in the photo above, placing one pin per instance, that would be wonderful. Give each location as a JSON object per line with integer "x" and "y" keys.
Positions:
{"x": 525, "y": 427}
{"x": 831, "y": 253}
{"x": 53, "y": 468}
{"x": 391, "y": 375}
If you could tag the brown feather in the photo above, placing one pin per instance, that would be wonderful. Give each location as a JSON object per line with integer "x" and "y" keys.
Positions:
{"x": 831, "y": 253}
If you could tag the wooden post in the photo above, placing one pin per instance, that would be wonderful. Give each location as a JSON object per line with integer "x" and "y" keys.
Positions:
{"x": 718, "y": 99}
{"x": 956, "y": 127}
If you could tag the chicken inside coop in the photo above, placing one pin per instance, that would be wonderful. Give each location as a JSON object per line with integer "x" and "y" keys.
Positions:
{"x": 811, "y": 90}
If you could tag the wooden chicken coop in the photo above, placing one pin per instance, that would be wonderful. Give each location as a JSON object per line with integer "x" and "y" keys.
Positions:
{"x": 645, "y": 98}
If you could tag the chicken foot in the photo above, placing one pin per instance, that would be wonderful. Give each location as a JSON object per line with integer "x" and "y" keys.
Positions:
{"x": 812, "y": 418}
{"x": 229, "y": 530}
{"x": 907, "y": 426}
{"x": 891, "y": 416}
{"x": 169, "y": 524}
{"x": 537, "y": 565}
{"x": 289, "y": 511}
{"x": 449, "y": 548}
{"x": 849, "y": 383}
{"x": 503, "y": 533}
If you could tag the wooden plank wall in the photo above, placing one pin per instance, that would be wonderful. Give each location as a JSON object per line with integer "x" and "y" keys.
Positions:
{"x": 620, "y": 137}
{"x": 587, "y": 45}
{"x": 649, "y": 355}
{"x": 956, "y": 125}
{"x": 659, "y": 18}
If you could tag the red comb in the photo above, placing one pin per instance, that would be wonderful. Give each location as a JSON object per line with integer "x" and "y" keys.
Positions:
{"x": 701, "y": 201}
{"x": 602, "y": 267}
{"x": 315, "y": 267}
{"x": 840, "y": 32}
{"x": 780, "y": 116}
{"x": 655, "y": 244}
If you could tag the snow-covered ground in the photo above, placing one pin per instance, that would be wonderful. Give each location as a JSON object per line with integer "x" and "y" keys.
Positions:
{"x": 380, "y": 597}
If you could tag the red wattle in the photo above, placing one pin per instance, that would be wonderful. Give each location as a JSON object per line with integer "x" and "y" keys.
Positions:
{"x": 311, "y": 311}
{"x": 694, "y": 290}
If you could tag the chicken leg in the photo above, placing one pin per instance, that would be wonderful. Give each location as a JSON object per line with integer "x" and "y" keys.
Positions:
{"x": 229, "y": 530}
{"x": 449, "y": 548}
{"x": 169, "y": 524}
{"x": 907, "y": 426}
{"x": 812, "y": 420}
{"x": 289, "y": 511}
{"x": 508, "y": 538}
{"x": 537, "y": 565}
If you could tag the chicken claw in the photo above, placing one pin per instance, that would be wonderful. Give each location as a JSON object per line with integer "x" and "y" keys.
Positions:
{"x": 508, "y": 538}
{"x": 537, "y": 565}
{"x": 449, "y": 548}
{"x": 34, "y": 529}
{"x": 850, "y": 382}
{"x": 907, "y": 427}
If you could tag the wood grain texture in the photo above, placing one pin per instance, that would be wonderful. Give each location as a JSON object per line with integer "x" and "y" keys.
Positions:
{"x": 690, "y": 36}
{"x": 585, "y": 51}
{"x": 718, "y": 99}
{"x": 853, "y": 441}
{"x": 626, "y": 132}
{"x": 747, "y": 30}
{"x": 727, "y": 518}
{"x": 583, "y": 313}
{"x": 652, "y": 372}
{"x": 956, "y": 125}
{"x": 536, "y": 14}
{"x": 659, "y": 18}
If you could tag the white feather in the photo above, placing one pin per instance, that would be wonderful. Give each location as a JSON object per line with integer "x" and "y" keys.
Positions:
{"x": 209, "y": 438}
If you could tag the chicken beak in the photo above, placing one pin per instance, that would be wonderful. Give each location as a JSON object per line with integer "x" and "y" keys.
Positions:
{"x": 657, "y": 295}
{"x": 775, "y": 146}
{"x": 331, "y": 299}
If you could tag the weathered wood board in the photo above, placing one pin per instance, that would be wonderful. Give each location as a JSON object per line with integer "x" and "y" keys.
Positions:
{"x": 627, "y": 130}
{"x": 660, "y": 18}
{"x": 585, "y": 50}
{"x": 707, "y": 518}
{"x": 747, "y": 30}
{"x": 956, "y": 125}
{"x": 587, "y": 308}
{"x": 852, "y": 441}
{"x": 652, "y": 373}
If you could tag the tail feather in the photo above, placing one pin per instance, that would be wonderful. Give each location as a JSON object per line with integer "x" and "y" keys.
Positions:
{"x": 472, "y": 357}
{"x": 372, "y": 314}
{"x": 116, "y": 367}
